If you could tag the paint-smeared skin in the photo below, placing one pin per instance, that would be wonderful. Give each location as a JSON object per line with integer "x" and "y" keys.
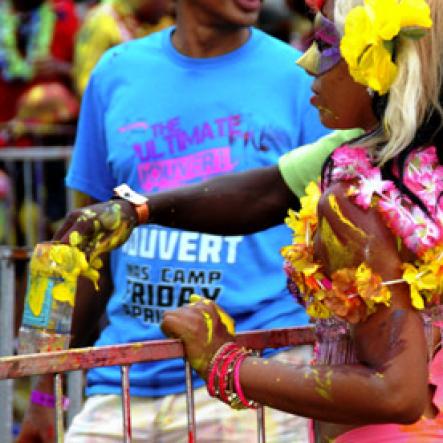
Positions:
{"x": 323, "y": 381}
{"x": 339, "y": 255}
{"x": 333, "y": 203}
{"x": 102, "y": 231}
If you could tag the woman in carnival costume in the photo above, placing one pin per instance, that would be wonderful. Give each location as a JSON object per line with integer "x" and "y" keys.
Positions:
{"x": 367, "y": 252}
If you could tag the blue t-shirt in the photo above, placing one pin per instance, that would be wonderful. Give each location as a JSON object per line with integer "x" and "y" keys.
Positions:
{"x": 156, "y": 119}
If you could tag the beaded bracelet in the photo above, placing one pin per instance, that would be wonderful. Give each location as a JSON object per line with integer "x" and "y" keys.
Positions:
{"x": 47, "y": 400}
{"x": 213, "y": 369}
{"x": 226, "y": 375}
{"x": 223, "y": 380}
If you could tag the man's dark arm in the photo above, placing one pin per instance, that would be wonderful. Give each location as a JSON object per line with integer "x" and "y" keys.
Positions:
{"x": 232, "y": 204}
{"x": 90, "y": 304}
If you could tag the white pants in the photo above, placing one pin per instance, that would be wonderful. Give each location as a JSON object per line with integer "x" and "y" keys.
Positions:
{"x": 164, "y": 419}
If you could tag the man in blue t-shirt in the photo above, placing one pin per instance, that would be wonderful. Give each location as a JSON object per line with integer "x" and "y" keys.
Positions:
{"x": 211, "y": 96}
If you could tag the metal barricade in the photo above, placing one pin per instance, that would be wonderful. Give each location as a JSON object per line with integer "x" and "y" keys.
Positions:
{"x": 32, "y": 181}
{"x": 78, "y": 360}
{"x": 126, "y": 355}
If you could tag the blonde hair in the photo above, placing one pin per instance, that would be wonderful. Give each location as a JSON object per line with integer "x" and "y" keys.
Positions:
{"x": 415, "y": 92}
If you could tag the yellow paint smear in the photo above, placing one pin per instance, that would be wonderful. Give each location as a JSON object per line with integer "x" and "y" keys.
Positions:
{"x": 336, "y": 208}
{"x": 58, "y": 262}
{"x": 225, "y": 318}
{"x": 339, "y": 256}
{"x": 209, "y": 327}
{"x": 323, "y": 385}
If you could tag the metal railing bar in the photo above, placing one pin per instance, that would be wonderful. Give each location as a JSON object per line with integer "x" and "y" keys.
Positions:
{"x": 126, "y": 404}
{"x": 86, "y": 358}
{"x": 59, "y": 426}
{"x": 36, "y": 153}
{"x": 16, "y": 254}
{"x": 29, "y": 222}
{"x": 7, "y": 303}
{"x": 261, "y": 434}
{"x": 190, "y": 410}
{"x": 75, "y": 394}
{"x": 38, "y": 128}
{"x": 40, "y": 195}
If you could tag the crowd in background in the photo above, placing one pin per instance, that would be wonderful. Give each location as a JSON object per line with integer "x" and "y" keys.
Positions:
{"x": 48, "y": 49}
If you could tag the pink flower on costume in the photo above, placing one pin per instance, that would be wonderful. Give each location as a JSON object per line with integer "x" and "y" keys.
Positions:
{"x": 423, "y": 176}
{"x": 371, "y": 184}
{"x": 350, "y": 163}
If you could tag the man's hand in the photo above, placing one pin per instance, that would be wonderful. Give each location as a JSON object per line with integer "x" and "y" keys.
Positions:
{"x": 98, "y": 228}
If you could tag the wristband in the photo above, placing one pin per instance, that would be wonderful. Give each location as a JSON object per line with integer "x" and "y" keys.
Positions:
{"x": 47, "y": 400}
{"x": 139, "y": 202}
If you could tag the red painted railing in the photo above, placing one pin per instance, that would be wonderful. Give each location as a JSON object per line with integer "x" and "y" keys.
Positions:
{"x": 125, "y": 355}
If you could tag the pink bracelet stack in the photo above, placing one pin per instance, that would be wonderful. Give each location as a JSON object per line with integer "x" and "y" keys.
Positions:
{"x": 223, "y": 381}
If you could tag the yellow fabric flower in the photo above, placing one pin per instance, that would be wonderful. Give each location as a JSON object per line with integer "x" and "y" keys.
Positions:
{"x": 415, "y": 14}
{"x": 369, "y": 34}
{"x": 378, "y": 68}
{"x": 304, "y": 222}
{"x": 419, "y": 280}
{"x": 370, "y": 287}
{"x": 309, "y": 202}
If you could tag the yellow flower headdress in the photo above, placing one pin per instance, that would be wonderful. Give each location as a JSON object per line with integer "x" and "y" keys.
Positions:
{"x": 369, "y": 38}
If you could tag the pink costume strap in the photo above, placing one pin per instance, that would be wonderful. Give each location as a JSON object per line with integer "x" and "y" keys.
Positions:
{"x": 436, "y": 378}
{"x": 426, "y": 430}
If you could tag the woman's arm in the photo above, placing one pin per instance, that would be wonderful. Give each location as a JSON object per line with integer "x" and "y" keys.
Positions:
{"x": 388, "y": 386}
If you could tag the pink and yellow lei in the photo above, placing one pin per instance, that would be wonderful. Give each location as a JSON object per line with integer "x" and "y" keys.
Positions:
{"x": 353, "y": 294}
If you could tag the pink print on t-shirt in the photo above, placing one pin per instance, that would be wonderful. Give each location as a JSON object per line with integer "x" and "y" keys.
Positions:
{"x": 175, "y": 172}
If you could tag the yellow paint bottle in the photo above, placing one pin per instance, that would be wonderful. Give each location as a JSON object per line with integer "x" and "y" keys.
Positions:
{"x": 49, "y": 302}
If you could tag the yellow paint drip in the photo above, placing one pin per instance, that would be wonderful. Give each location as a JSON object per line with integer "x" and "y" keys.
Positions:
{"x": 336, "y": 208}
{"x": 323, "y": 385}
{"x": 225, "y": 318}
{"x": 209, "y": 327}
{"x": 339, "y": 256}
{"x": 37, "y": 291}
{"x": 75, "y": 238}
{"x": 62, "y": 264}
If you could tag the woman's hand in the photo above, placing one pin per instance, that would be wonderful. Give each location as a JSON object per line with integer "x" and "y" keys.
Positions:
{"x": 203, "y": 327}
{"x": 98, "y": 228}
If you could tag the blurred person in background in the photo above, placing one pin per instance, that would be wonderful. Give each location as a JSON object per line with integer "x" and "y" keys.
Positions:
{"x": 302, "y": 24}
{"x": 112, "y": 22}
{"x": 210, "y": 96}
{"x": 276, "y": 19}
{"x": 36, "y": 50}
{"x": 288, "y": 20}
